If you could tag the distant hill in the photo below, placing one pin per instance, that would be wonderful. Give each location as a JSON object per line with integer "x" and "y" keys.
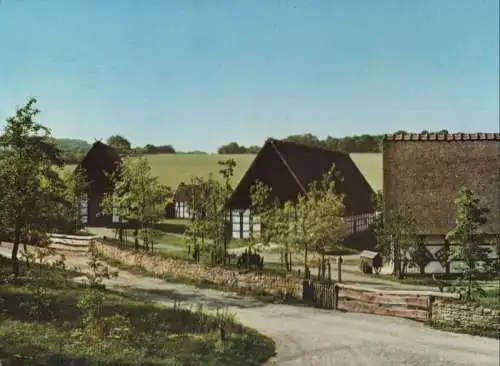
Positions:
{"x": 76, "y": 144}
{"x": 73, "y": 149}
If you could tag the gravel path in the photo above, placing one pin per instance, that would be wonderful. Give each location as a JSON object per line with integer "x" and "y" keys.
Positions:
{"x": 308, "y": 336}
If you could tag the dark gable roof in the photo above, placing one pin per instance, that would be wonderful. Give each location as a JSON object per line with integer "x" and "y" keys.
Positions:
{"x": 184, "y": 192}
{"x": 424, "y": 173}
{"x": 100, "y": 159}
{"x": 288, "y": 168}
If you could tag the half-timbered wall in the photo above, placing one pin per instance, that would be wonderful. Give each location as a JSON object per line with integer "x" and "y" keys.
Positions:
{"x": 437, "y": 255}
{"x": 182, "y": 210}
{"x": 243, "y": 224}
{"x": 84, "y": 211}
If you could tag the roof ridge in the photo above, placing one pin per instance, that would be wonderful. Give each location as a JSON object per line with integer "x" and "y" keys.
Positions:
{"x": 289, "y": 168}
{"x": 300, "y": 144}
{"x": 476, "y": 136}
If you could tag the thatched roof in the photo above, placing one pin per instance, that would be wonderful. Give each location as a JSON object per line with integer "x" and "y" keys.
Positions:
{"x": 424, "y": 173}
{"x": 288, "y": 168}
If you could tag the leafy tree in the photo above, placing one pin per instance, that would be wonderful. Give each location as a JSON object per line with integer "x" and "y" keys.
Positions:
{"x": 277, "y": 221}
{"x": 262, "y": 208}
{"x": 30, "y": 188}
{"x": 397, "y": 238}
{"x": 253, "y": 149}
{"x": 283, "y": 228}
{"x": 383, "y": 240}
{"x": 162, "y": 149}
{"x": 232, "y": 148}
{"x": 138, "y": 197}
{"x": 301, "y": 230}
{"x": 313, "y": 223}
{"x": 227, "y": 173}
{"x": 216, "y": 213}
{"x": 209, "y": 214}
{"x": 75, "y": 192}
{"x": 119, "y": 142}
{"x": 323, "y": 214}
{"x": 306, "y": 139}
{"x": 197, "y": 231}
{"x": 468, "y": 242}
{"x": 215, "y": 195}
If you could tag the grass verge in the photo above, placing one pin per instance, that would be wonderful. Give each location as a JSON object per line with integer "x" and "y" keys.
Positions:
{"x": 181, "y": 253}
{"x": 489, "y": 332}
{"x": 41, "y": 323}
{"x": 200, "y": 283}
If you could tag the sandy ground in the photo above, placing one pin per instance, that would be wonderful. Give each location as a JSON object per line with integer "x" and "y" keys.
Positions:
{"x": 307, "y": 336}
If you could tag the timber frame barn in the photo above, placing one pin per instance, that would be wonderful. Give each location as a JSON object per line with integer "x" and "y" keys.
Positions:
{"x": 99, "y": 161}
{"x": 424, "y": 173}
{"x": 288, "y": 168}
{"x": 182, "y": 196}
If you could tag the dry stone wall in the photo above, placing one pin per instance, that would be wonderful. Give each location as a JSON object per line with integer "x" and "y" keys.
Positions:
{"x": 249, "y": 282}
{"x": 465, "y": 316}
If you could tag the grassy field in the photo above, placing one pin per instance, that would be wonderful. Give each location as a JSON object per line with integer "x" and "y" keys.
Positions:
{"x": 173, "y": 169}
{"x": 41, "y": 321}
{"x": 371, "y": 167}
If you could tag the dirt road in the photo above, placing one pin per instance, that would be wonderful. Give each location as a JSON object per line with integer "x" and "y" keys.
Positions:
{"x": 307, "y": 336}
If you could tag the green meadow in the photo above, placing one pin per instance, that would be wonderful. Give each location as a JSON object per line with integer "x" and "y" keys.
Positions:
{"x": 173, "y": 169}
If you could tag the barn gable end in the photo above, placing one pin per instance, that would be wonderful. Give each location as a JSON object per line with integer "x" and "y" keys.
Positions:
{"x": 100, "y": 161}
{"x": 288, "y": 168}
{"x": 423, "y": 174}
{"x": 268, "y": 168}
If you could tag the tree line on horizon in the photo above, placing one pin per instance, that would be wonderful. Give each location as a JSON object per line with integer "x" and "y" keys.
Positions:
{"x": 366, "y": 143}
{"x": 73, "y": 150}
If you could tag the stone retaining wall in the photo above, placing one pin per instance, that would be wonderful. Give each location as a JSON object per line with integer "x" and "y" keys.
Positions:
{"x": 466, "y": 316}
{"x": 180, "y": 269}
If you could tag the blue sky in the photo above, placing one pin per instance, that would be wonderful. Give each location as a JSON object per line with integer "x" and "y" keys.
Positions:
{"x": 197, "y": 74}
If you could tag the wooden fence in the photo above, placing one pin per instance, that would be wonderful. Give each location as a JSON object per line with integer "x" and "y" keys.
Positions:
{"x": 319, "y": 293}
{"x": 415, "y": 305}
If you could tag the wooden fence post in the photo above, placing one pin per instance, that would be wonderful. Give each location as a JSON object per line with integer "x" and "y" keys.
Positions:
{"x": 335, "y": 297}
{"x": 430, "y": 302}
{"x": 339, "y": 270}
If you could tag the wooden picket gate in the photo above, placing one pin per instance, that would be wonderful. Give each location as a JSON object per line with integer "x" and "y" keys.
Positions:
{"x": 320, "y": 294}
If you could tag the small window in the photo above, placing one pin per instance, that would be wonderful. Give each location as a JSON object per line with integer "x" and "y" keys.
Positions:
{"x": 236, "y": 216}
